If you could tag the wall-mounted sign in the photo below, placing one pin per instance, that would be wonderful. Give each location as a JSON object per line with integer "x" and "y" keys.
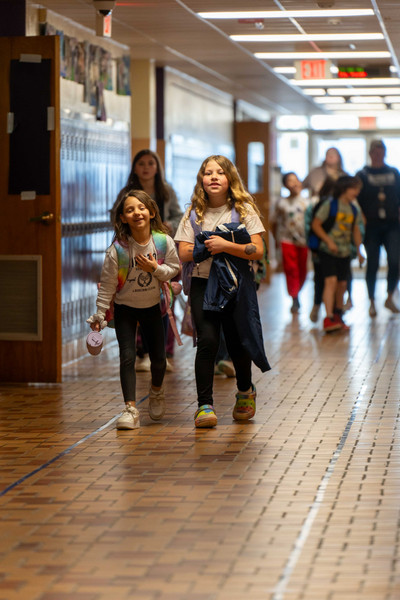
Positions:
{"x": 360, "y": 72}
{"x": 313, "y": 69}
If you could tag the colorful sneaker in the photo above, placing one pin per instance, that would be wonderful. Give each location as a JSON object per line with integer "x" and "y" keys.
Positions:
{"x": 129, "y": 418}
{"x": 331, "y": 324}
{"x": 205, "y": 416}
{"x": 226, "y": 367}
{"x": 156, "y": 404}
{"x": 245, "y": 407}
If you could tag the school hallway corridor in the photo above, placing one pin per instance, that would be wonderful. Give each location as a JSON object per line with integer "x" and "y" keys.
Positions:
{"x": 301, "y": 503}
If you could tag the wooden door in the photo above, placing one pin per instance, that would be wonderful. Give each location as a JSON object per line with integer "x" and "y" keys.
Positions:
{"x": 30, "y": 240}
{"x": 253, "y": 164}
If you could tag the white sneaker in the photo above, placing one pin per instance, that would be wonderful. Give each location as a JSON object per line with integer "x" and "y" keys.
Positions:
{"x": 142, "y": 365}
{"x": 129, "y": 418}
{"x": 169, "y": 368}
{"x": 156, "y": 404}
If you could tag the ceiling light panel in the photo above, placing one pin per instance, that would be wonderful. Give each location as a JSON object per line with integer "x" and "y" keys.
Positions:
{"x": 288, "y": 14}
{"x": 362, "y": 91}
{"x": 306, "y": 37}
{"x": 378, "y": 81}
{"x": 318, "y": 55}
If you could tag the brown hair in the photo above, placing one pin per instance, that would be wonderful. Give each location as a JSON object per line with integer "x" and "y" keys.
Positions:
{"x": 122, "y": 230}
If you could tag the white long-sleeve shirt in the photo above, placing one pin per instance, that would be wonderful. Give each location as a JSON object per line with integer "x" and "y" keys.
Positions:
{"x": 141, "y": 289}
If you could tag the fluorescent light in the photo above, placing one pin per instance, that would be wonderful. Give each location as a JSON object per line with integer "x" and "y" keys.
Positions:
{"x": 288, "y": 70}
{"x": 319, "y": 55}
{"x": 287, "y": 14}
{"x": 348, "y": 81}
{"x": 306, "y": 37}
{"x": 391, "y": 99}
{"x": 328, "y": 100}
{"x": 362, "y": 91}
{"x": 314, "y": 91}
{"x": 356, "y": 107}
{"x": 366, "y": 99}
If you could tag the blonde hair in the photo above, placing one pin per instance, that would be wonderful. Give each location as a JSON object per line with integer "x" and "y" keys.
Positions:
{"x": 238, "y": 196}
{"x": 122, "y": 230}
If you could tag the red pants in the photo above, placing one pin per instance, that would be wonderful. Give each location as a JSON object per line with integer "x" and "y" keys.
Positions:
{"x": 294, "y": 261}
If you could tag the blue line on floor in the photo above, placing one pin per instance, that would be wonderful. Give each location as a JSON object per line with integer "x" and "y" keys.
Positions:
{"x": 64, "y": 452}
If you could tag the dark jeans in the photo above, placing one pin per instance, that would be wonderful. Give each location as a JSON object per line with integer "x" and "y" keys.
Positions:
{"x": 379, "y": 234}
{"x": 208, "y": 326}
{"x": 126, "y": 319}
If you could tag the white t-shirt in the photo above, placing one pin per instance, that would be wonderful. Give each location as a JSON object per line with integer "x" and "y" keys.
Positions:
{"x": 212, "y": 218}
{"x": 141, "y": 289}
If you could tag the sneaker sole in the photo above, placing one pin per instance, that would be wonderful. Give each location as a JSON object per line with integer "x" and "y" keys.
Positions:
{"x": 206, "y": 422}
{"x": 333, "y": 328}
{"x": 121, "y": 427}
{"x": 154, "y": 417}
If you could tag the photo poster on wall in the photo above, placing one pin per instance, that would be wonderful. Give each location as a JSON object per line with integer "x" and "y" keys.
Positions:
{"x": 47, "y": 29}
{"x": 123, "y": 75}
{"x": 74, "y": 60}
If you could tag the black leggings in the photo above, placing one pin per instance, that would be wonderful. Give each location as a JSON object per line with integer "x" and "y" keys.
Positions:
{"x": 126, "y": 319}
{"x": 208, "y": 326}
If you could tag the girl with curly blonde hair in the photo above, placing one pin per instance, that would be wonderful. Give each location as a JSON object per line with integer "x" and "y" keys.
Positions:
{"x": 219, "y": 198}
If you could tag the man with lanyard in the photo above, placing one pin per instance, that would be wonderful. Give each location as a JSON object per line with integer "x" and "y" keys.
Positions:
{"x": 380, "y": 201}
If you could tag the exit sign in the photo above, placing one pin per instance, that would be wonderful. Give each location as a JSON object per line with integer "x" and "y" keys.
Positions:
{"x": 313, "y": 69}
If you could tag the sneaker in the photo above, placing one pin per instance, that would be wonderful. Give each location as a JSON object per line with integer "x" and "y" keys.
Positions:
{"x": 391, "y": 306}
{"x": 205, "y": 416}
{"x": 331, "y": 324}
{"x": 245, "y": 406}
{"x": 169, "y": 367}
{"x": 337, "y": 317}
{"x": 226, "y": 367}
{"x": 372, "y": 309}
{"x": 217, "y": 372}
{"x": 314, "y": 313}
{"x": 295, "y": 306}
{"x": 129, "y": 418}
{"x": 142, "y": 365}
{"x": 156, "y": 404}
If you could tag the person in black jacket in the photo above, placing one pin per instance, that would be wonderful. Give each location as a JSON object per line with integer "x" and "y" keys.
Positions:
{"x": 380, "y": 201}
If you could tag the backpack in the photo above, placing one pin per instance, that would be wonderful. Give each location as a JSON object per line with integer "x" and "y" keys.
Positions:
{"x": 313, "y": 241}
{"x": 187, "y": 267}
{"x": 168, "y": 289}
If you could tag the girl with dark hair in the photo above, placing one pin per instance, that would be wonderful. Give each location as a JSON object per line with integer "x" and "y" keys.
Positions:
{"x": 147, "y": 174}
{"x": 331, "y": 167}
{"x": 337, "y": 223}
{"x": 132, "y": 272}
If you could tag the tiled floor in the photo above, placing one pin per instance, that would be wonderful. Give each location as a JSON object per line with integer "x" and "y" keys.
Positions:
{"x": 300, "y": 504}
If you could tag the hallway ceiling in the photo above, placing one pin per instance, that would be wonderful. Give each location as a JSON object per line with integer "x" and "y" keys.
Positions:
{"x": 172, "y": 33}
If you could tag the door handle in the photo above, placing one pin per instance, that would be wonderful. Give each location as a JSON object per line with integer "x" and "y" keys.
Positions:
{"x": 46, "y": 218}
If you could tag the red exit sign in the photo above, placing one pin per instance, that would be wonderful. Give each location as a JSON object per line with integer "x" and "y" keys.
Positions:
{"x": 313, "y": 69}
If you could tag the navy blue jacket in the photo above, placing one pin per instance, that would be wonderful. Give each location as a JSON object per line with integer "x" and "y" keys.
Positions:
{"x": 231, "y": 280}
